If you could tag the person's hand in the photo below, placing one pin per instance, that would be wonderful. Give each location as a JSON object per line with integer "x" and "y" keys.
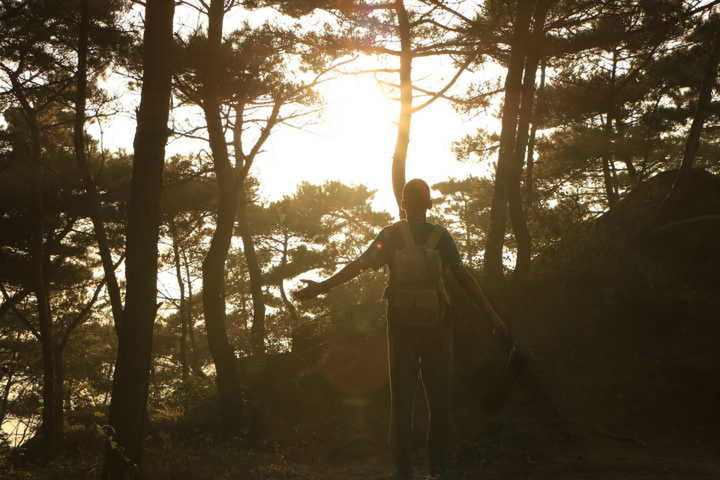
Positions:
{"x": 311, "y": 290}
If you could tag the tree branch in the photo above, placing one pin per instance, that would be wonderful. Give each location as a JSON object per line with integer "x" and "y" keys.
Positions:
{"x": 442, "y": 91}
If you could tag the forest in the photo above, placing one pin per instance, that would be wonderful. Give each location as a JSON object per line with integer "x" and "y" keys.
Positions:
{"x": 164, "y": 190}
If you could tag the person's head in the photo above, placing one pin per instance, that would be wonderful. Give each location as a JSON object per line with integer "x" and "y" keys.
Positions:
{"x": 416, "y": 197}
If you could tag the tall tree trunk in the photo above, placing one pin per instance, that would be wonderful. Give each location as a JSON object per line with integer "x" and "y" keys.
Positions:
{"x": 182, "y": 311}
{"x": 242, "y": 166}
{"x": 704, "y": 99}
{"x": 403, "y": 132}
{"x": 609, "y": 153}
{"x": 529, "y": 170}
{"x": 255, "y": 274}
{"x": 194, "y": 358}
{"x": 93, "y": 199}
{"x": 51, "y": 427}
{"x": 503, "y": 171}
{"x": 131, "y": 377}
{"x": 213, "y": 294}
{"x": 515, "y": 200}
{"x": 54, "y": 402}
{"x": 50, "y": 431}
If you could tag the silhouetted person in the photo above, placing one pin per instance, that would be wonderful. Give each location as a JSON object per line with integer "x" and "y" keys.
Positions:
{"x": 420, "y": 337}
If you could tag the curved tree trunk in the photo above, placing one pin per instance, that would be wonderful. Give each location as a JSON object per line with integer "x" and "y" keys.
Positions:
{"x": 93, "y": 199}
{"x": 503, "y": 171}
{"x": 213, "y": 294}
{"x": 130, "y": 381}
{"x": 403, "y": 133}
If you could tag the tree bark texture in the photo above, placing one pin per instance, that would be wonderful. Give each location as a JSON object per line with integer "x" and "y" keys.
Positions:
{"x": 93, "y": 199}
{"x": 135, "y": 335}
{"x": 493, "y": 264}
{"x": 213, "y": 294}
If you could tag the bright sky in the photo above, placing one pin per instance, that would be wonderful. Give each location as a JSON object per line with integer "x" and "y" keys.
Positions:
{"x": 352, "y": 140}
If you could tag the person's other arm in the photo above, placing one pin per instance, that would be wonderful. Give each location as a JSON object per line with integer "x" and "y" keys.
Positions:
{"x": 473, "y": 289}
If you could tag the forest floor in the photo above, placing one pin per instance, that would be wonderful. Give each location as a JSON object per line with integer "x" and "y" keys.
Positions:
{"x": 597, "y": 458}
{"x": 605, "y": 463}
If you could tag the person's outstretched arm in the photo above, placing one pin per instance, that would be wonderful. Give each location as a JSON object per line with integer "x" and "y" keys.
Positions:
{"x": 347, "y": 273}
{"x": 473, "y": 289}
{"x": 375, "y": 256}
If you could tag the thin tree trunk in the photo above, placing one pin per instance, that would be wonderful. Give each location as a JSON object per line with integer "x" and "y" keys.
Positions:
{"x": 131, "y": 377}
{"x": 6, "y": 393}
{"x": 9, "y": 382}
{"x": 609, "y": 154}
{"x": 242, "y": 166}
{"x": 182, "y": 311}
{"x": 213, "y": 294}
{"x": 67, "y": 406}
{"x": 255, "y": 274}
{"x": 403, "y": 132}
{"x": 93, "y": 199}
{"x": 704, "y": 100}
{"x": 626, "y": 156}
{"x": 529, "y": 170}
{"x": 56, "y": 402}
{"x": 283, "y": 294}
{"x": 194, "y": 358}
{"x": 513, "y": 93}
{"x": 515, "y": 201}
{"x": 51, "y": 428}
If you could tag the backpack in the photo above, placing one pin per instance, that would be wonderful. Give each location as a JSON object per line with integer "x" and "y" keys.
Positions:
{"x": 416, "y": 278}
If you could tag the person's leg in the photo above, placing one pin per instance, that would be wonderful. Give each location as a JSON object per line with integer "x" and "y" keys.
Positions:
{"x": 403, "y": 368}
{"x": 437, "y": 373}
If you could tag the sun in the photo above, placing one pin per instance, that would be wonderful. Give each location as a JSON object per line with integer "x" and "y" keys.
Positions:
{"x": 359, "y": 112}
{"x": 353, "y": 141}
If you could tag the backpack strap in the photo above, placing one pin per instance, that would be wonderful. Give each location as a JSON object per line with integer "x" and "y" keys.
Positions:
{"x": 406, "y": 234}
{"x": 434, "y": 237}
